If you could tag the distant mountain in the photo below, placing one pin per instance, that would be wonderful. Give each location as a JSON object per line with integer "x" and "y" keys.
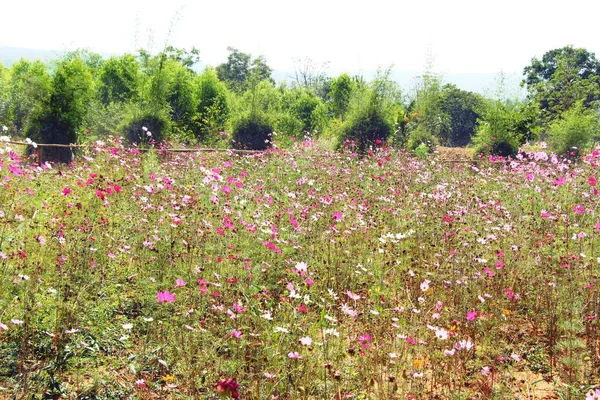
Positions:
{"x": 10, "y": 55}
{"x": 483, "y": 83}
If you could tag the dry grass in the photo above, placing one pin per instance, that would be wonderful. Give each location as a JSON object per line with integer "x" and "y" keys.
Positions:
{"x": 454, "y": 153}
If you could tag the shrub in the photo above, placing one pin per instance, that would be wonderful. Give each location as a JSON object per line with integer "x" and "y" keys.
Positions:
{"x": 498, "y": 132}
{"x": 501, "y": 145}
{"x": 421, "y": 137}
{"x": 574, "y": 131}
{"x": 62, "y": 117}
{"x": 147, "y": 128}
{"x": 213, "y": 108}
{"x": 252, "y": 132}
{"x": 366, "y": 128}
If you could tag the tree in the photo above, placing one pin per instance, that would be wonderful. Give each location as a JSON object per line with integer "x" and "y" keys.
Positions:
{"x": 236, "y": 70}
{"x": 427, "y": 119}
{"x": 242, "y": 71}
{"x": 499, "y": 129}
{"x": 30, "y": 88}
{"x": 573, "y": 132}
{"x": 182, "y": 99}
{"x": 310, "y": 110}
{"x": 562, "y": 78}
{"x": 461, "y": 107}
{"x": 260, "y": 71}
{"x": 212, "y": 105}
{"x": 119, "y": 79}
{"x": 370, "y": 119}
{"x": 187, "y": 58}
{"x": 311, "y": 76}
{"x": 4, "y": 98}
{"x": 61, "y": 119}
{"x": 342, "y": 88}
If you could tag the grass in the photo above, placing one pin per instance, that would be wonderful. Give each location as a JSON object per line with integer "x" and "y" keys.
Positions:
{"x": 299, "y": 274}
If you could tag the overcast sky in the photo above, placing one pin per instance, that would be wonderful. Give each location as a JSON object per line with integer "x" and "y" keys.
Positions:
{"x": 463, "y": 36}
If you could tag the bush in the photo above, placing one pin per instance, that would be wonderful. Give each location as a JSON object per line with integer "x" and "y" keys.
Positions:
{"x": 498, "y": 132}
{"x": 366, "y": 129}
{"x": 61, "y": 118}
{"x": 574, "y": 131}
{"x": 421, "y": 137}
{"x": 252, "y": 132}
{"x": 147, "y": 128}
{"x": 502, "y": 145}
{"x": 213, "y": 108}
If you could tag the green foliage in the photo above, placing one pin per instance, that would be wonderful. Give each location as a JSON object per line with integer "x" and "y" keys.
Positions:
{"x": 119, "y": 79}
{"x": 498, "y": 130}
{"x": 422, "y": 151}
{"x": 427, "y": 118}
{"x": 311, "y": 111}
{"x": 184, "y": 57}
{"x": 30, "y": 88}
{"x": 4, "y": 97}
{"x": 182, "y": 100}
{"x": 93, "y": 61}
{"x": 366, "y": 128}
{"x": 241, "y": 71}
{"x": 62, "y": 118}
{"x": 370, "y": 120}
{"x": 236, "y": 70}
{"x": 562, "y": 78}
{"x": 252, "y": 132}
{"x": 103, "y": 120}
{"x": 342, "y": 88}
{"x": 212, "y": 105}
{"x": 574, "y": 131}
{"x": 310, "y": 76}
{"x": 146, "y": 127}
{"x": 461, "y": 107}
{"x": 421, "y": 137}
{"x": 260, "y": 71}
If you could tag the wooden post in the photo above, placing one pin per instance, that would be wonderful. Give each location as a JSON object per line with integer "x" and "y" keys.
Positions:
{"x": 38, "y": 155}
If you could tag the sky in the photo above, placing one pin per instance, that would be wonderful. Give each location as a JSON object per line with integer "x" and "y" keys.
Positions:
{"x": 457, "y": 36}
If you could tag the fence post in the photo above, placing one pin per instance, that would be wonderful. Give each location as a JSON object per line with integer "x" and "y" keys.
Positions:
{"x": 38, "y": 154}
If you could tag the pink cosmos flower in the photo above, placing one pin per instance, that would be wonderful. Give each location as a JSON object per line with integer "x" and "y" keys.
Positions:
{"x": 471, "y": 315}
{"x": 141, "y": 384}
{"x": 180, "y": 283}
{"x": 529, "y": 177}
{"x": 579, "y": 209}
{"x": 165, "y": 297}
{"x": 272, "y": 247}
{"x": 364, "y": 339}
{"x": 294, "y": 355}
{"x": 352, "y": 295}
{"x": 236, "y": 334}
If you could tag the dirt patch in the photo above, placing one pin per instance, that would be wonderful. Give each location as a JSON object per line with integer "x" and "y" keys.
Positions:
{"x": 454, "y": 153}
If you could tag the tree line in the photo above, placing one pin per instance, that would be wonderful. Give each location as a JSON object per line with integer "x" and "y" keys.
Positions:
{"x": 149, "y": 98}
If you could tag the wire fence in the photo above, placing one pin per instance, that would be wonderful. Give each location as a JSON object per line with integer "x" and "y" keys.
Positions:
{"x": 38, "y": 150}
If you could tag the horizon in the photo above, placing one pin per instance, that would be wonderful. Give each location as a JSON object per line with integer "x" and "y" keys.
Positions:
{"x": 483, "y": 83}
{"x": 458, "y": 38}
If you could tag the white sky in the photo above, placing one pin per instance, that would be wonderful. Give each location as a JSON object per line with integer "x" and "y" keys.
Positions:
{"x": 463, "y": 36}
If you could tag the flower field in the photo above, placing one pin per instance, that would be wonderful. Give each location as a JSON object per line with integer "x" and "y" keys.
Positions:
{"x": 299, "y": 274}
